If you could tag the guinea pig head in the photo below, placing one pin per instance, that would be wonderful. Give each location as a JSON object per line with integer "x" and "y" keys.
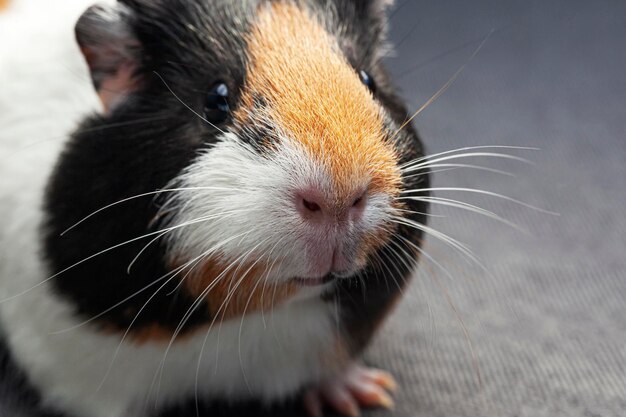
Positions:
{"x": 303, "y": 180}
{"x": 287, "y": 169}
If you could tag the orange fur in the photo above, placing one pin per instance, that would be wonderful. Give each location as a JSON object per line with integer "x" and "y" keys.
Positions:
{"x": 318, "y": 100}
{"x": 4, "y": 4}
{"x": 156, "y": 333}
{"x": 240, "y": 290}
{"x": 371, "y": 243}
{"x": 227, "y": 298}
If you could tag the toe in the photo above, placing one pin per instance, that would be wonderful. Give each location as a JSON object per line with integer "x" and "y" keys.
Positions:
{"x": 341, "y": 399}
{"x": 379, "y": 377}
{"x": 369, "y": 394}
{"x": 347, "y": 393}
{"x": 313, "y": 403}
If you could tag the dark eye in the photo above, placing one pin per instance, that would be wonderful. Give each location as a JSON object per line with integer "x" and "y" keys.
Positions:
{"x": 367, "y": 80}
{"x": 216, "y": 104}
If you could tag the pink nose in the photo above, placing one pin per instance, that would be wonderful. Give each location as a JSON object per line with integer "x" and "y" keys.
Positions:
{"x": 313, "y": 206}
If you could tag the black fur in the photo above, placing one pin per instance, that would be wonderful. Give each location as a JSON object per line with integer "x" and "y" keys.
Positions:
{"x": 119, "y": 156}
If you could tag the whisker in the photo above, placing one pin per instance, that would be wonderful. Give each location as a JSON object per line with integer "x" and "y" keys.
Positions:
{"x": 265, "y": 279}
{"x": 125, "y": 335}
{"x": 448, "y": 167}
{"x": 225, "y": 303}
{"x": 476, "y": 191}
{"x": 113, "y": 307}
{"x": 464, "y": 329}
{"x": 393, "y": 277}
{"x": 186, "y": 316}
{"x": 214, "y": 248}
{"x": 197, "y": 303}
{"x": 187, "y": 106}
{"x": 201, "y": 354}
{"x": 41, "y": 283}
{"x": 428, "y": 162}
{"x": 445, "y": 87}
{"x": 27, "y": 146}
{"x": 467, "y": 148}
{"x": 109, "y": 249}
{"x": 463, "y": 249}
{"x": 273, "y": 301}
{"x": 412, "y": 262}
{"x": 423, "y": 252}
{"x": 379, "y": 263}
{"x": 469, "y": 207}
{"x": 223, "y": 215}
{"x": 412, "y": 68}
{"x": 243, "y": 316}
{"x": 151, "y": 193}
{"x": 203, "y": 294}
{"x": 452, "y": 305}
{"x": 399, "y": 210}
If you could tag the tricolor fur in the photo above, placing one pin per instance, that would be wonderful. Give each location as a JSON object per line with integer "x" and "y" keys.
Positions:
{"x": 207, "y": 302}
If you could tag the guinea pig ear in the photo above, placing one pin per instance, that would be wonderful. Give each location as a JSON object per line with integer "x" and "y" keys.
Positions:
{"x": 375, "y": 6}
{"x": 383, "y": 4}
{"x": 379, "y": 9}
{"x": 106, "y": 39}
{"x": 371, "y": 9}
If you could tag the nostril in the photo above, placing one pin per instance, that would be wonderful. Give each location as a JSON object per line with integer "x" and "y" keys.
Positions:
{"x": 359, "y": 202}
{"x": 311, "y": 205}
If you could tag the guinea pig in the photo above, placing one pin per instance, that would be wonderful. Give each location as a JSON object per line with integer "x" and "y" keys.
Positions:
{"x": 228, "y": 225}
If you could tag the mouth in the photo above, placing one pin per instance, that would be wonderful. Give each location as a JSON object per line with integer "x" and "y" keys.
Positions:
{"x": 314, "y": 282}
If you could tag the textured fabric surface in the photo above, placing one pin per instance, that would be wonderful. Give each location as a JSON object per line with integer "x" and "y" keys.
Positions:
{"x": 547, "y": 315}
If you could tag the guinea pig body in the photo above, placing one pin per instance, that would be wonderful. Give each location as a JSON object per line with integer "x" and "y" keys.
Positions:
{"x": 229, "y": 224}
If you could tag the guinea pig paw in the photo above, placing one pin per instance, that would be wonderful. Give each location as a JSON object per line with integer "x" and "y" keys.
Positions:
{"x": 347, "y": 393}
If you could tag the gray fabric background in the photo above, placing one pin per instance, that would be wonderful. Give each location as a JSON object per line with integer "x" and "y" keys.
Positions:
{"x": 548, "y": 318}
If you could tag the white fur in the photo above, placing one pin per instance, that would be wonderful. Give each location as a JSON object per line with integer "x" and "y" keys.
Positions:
{"x": 255, "y": 196}
{"x": 92, "y": 374}
{"x": 45, "y": 91}
{"x": 251, "y": 196}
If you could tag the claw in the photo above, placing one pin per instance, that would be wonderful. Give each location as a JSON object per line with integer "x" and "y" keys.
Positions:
{"x": 371, "y": 395}
{"x": 346, "y": 394}
{"x": 380, "y": 378}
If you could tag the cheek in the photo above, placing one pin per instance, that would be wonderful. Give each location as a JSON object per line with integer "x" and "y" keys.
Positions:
{"x": 237, "y": 206}
{"x": 233, "y": 289}
{"x": 234, "y": 238}
{"x": 376, "y": 219}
